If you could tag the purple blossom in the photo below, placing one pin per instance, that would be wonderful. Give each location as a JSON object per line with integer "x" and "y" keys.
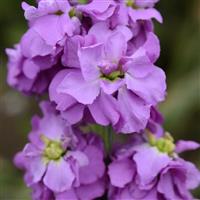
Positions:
{"x": 96, "y": 59}
{"x": 130, "y": 11}
{"x": 30, "y": 75}
{"x": 62, "y": 159}
{"x": 151, "y": 171}
{"x": 52, "y": 20}
{"x": 109, "y": 77}
{"x": 98, "y": 10}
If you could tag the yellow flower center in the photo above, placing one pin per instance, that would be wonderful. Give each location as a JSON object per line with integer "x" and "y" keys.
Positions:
{"x": 53, "y": 149}
{"x": 113, "y": 75}
{"x": 131, "y": 3}
{"x": 164, "y": 144}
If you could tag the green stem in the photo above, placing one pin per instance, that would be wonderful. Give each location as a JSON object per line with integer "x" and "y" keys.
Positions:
{"x": 108, "y": 139}
{"x": 106, "y": 133}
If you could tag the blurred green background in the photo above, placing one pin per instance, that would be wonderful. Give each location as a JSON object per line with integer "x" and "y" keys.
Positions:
{"x": 180, "y": 58}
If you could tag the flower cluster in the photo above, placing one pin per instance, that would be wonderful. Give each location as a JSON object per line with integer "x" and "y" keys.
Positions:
{"x": 89, "y": 55}
{"x": 152, "y": 170}
{"x": 95, "y": 59}
{"x": 61, "y": 159}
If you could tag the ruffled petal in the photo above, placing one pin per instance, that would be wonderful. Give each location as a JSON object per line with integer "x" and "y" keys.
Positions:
{"x": 98, "y": 9}
{"x": 149, "y": 162}
{"x": 74, "y": 85}
{"x": 102, "y": 108}
{"x": 59, "y": 176}
{"x": 146, "y": 80}
{"x": 110, "y": 87}
{"x": 145, "y": 14}
{"x": 115, "y": 47}
{"x": 134, "y": 112}
{"x": 124, "y": 166}
{"x": 89, "y": 58}
{"x": 96, "y": 168}
{"x": 91, "y": 191}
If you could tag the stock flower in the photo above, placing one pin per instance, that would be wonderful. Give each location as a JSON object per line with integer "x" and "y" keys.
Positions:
{"x": 97, "y": 9}
{"x": 125, "y": 85}
{"x": 131, "y": 11}
{"x": 152, "y": 171}
{"x": 52, "y": 20}
{"x": 62, "y": 159}
{"x": 142, "y": 10}
{"x": 96, "y": 59}
{"x": 30, "y": 75}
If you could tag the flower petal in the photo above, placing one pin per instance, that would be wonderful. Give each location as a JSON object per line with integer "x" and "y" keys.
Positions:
{"x": 79, "y": 156}
{"x": 115, "y": 169}
{"x": 102, "y": 108}
{"x": 91, "y": 191}
{"x": 100, "y": 31}
{"x": 135, "y": 113}
{"x": 71, "y": 110}
{"x": 115, "y": 47}
{"x": 62, "y": 100}
{"x": 166, "y": 187}
{"x": 74, "y": 85}
{"x": 101, "y": 10}
{"x": 70, "y": 56}
{"x": 36, "y": 168}
{"x": 193, "y": 176}
{"x": 110, "y": 87}
{"x": 59, "y": 176}
{"x": 96, "y": 167}
{"x": 33, "y": 45}
{"x": 152, "y": 87}
{"x": 69, "y": 194}
{"x": 152, "y": 46}
{"x": 149, "y": 162}
{"x": 89, "y": 58}
{"x": 52, "y": 127}
{"x": 60, "y": 25}
{"x": 145, "y": 14}
{"x": 183, "y": 145}
{"x": 30, "y": 69}
{"x": 73, "y": 114}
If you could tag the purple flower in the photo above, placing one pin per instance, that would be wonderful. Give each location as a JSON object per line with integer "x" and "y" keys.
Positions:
{"x": 130, "y": 11}
{"x": 98, "y": 10}
{"x": 125, "y": 85}
{"x": 52, "y": 20}
{"x": 96, "y": 58}
{"x": 30, "y": 75}
{"x": 151, "y": 171}
{"x": 62, "y": 159}
{"x": 70, "y": 55}
{"x": 33, "y": 63}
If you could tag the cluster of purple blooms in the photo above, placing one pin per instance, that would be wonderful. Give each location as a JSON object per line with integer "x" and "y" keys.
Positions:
{"x": 96, "y": 61}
